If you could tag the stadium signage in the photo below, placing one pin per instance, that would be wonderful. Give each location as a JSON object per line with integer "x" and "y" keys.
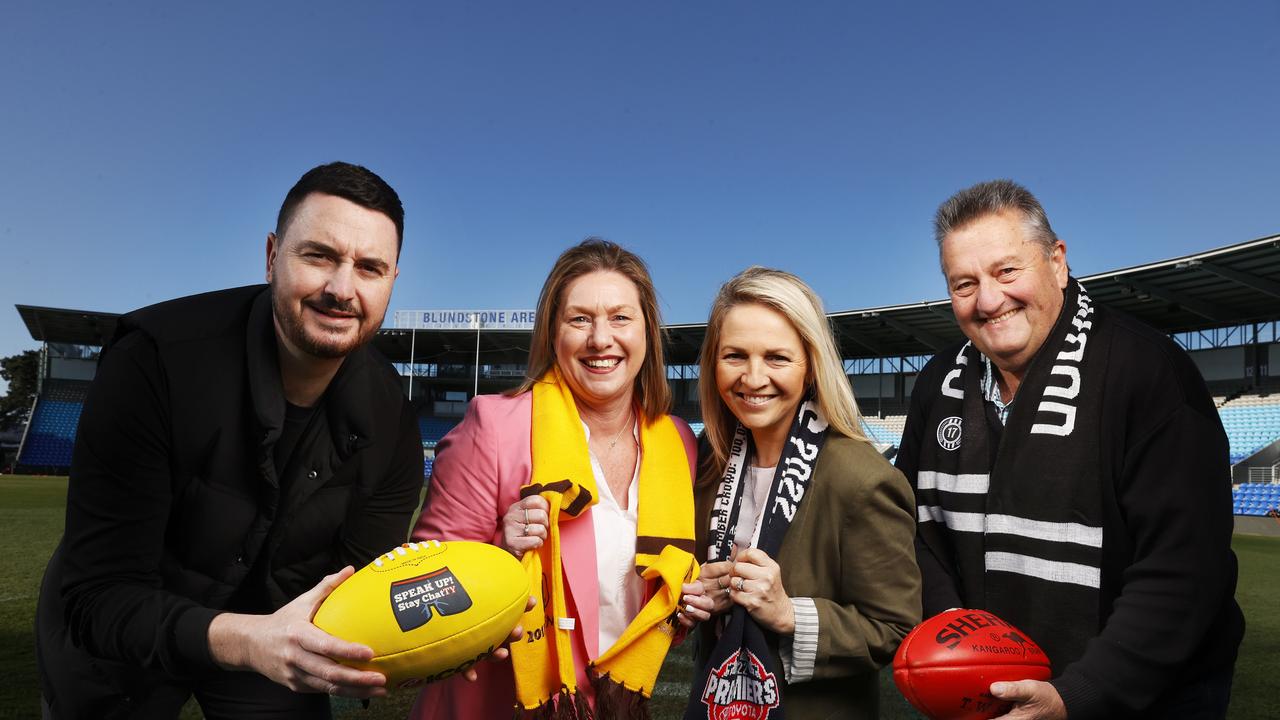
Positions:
{"x": 464, "y": 319}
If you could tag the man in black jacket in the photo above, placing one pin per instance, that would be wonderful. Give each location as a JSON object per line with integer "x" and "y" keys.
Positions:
{"x": 1071, "y": 476}
{"x": 237, "y": 452}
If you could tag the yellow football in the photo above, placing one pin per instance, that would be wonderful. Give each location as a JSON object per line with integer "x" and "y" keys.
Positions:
{"x": 428, "y": 609}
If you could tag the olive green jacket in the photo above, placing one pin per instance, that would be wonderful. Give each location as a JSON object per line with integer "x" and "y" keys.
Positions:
{"x": 850, "y": 548}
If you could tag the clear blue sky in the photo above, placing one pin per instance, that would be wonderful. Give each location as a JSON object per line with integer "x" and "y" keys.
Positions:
{"x": 146, "y": 146}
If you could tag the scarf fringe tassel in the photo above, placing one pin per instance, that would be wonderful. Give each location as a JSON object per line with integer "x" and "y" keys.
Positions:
{"x": 615, "y": 700}
{"x": 564, "y": 705}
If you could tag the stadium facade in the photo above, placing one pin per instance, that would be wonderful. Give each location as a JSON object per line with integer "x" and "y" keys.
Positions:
{"x": 1222, "y": 305}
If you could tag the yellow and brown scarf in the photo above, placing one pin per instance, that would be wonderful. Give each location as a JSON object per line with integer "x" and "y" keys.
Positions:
{"x": 624, "y": 675}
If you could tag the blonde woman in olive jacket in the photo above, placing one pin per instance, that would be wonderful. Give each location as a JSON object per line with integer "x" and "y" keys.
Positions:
{"x": 844, "y": 588}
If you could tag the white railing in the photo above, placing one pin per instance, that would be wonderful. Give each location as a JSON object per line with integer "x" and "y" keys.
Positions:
{"x": 22, "y": 444}
{"x": 1265, "y": 474}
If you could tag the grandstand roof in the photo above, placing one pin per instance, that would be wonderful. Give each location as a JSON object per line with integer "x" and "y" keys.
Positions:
{"x": 1233, "y": 285}
{"x": 74, "y": 327}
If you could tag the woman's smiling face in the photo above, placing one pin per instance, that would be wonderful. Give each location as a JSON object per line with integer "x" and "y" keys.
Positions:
{"x": 761, "y": 368}
{"x": 600, "y": 337}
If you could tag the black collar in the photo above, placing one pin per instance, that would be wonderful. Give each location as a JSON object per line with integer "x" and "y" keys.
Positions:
{"x": 347, "y": 403}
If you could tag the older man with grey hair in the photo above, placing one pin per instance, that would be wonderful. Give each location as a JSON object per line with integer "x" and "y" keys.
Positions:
{"x": 1071, "y": 472}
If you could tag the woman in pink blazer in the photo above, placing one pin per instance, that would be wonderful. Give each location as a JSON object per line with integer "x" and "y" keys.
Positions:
{"x": 597, "y": 332}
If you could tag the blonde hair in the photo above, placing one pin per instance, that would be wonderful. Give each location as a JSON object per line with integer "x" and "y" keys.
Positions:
{"x": 598, "y": 255}
{"x": 801, "y": 306}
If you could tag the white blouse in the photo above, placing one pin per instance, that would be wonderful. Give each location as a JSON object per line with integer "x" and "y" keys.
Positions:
{"x": 621, "y": 588}
{"x": 754, "y": 496}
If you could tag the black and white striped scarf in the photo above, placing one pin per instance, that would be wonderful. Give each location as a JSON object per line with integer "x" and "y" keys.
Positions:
{"x": 1025, "y": 533}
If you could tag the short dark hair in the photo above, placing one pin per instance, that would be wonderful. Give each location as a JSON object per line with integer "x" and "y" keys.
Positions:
{"x": 356, "y": 183}
{"x": 989, "y": 198}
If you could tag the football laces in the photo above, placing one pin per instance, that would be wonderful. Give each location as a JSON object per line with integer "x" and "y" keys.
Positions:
{"x": 404, "y": 549}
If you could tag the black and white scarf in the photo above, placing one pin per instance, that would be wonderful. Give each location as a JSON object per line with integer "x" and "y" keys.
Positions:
{"x": 1026, "y": 532}
{"x": 740, "y": 678}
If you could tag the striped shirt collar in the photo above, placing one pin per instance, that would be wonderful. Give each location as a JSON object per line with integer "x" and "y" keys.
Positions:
{"x": 991, "y": 391}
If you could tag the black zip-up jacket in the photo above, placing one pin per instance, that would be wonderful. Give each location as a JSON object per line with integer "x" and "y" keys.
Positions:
{"x": 174, "y": 496}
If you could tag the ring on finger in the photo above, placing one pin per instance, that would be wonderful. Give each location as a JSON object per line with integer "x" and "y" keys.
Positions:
{"x": 528, "y": 530}
{"x": 526, "y": 517}
{"x": 720, "y": 582}
{"x": 741, "y": 584}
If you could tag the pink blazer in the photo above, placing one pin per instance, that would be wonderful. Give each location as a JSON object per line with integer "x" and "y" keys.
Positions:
{"x": 479, "y": 469}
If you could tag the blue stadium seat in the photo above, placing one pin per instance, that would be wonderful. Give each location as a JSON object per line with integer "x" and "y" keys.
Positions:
{"x": 51, "y": 431}
{"x": 880, "y": 434}
{"x": 433, "y": 429}
{"x": 1251, "y": 426}
{"x": 1255, "y": 498}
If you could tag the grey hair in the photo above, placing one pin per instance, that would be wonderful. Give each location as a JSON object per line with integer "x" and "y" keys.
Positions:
{"x": 989, "y": 198}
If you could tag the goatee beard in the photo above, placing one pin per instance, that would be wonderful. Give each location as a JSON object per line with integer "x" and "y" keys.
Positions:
{"x": 291, "y": 326}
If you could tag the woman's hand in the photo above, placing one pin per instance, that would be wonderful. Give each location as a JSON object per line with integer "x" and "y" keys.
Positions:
{"x": 755, "y": 583}
{"x": 713, "y": 589}
{"x": 695, "y": 607}
{"x": 715, "y": 585}
{"x": 707, "y": 595}
{"x": 524, "y": 526}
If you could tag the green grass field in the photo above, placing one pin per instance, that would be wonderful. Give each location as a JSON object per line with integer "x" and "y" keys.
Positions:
{"x": 31, "y": 516}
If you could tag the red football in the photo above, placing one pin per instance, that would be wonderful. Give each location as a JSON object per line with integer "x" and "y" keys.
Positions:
{"x": 946, "y": 665}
